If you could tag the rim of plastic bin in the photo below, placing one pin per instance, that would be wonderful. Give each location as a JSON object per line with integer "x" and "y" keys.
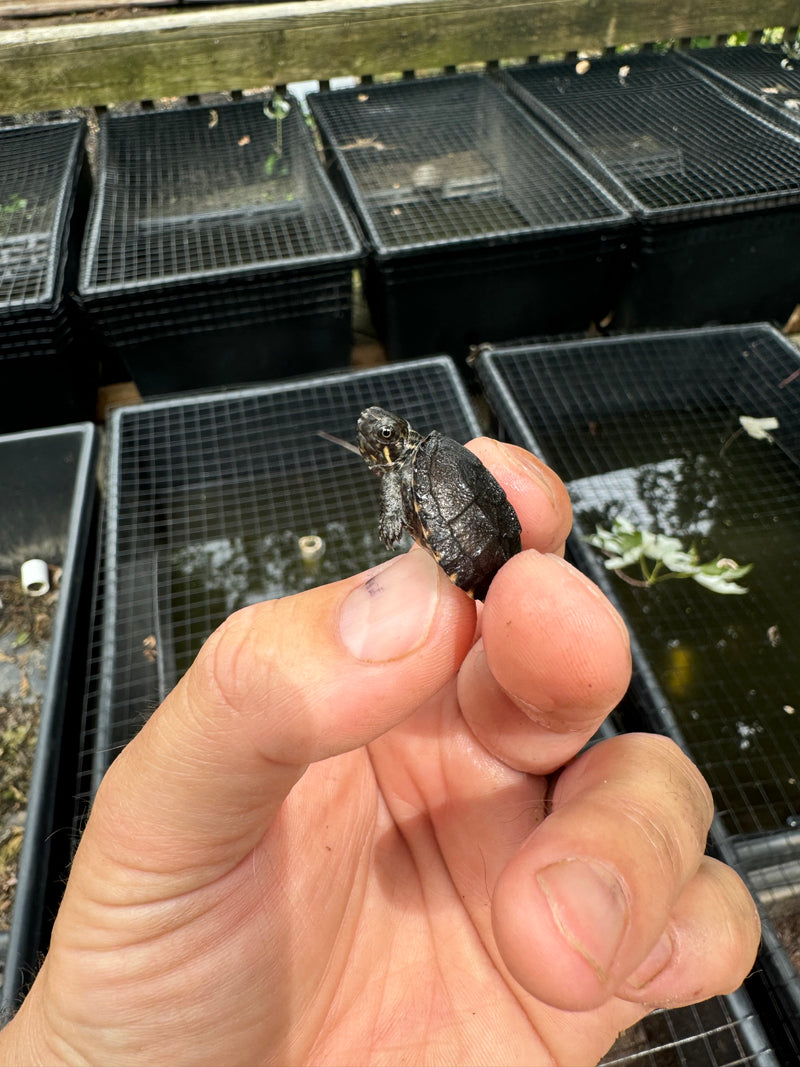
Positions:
{"x": 386, "y": 177}
{"x": 724, "y": 1031}
{"x": 46, "y": 155}
{"x": 769, "y": 864}
{"x": 224, "y": 241}
{"x": 701, "y": 153}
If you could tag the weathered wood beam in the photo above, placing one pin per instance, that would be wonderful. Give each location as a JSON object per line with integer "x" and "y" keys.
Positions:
{"x": 29, "y": 10}
{"x": 37, "y": 9}
{"x": 95, "y": 63}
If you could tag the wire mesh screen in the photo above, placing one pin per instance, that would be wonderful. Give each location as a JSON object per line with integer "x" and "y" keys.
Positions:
{"x": 210, "y": 500}
{"x": 646, "y": 431}
{"x": 39, "y": 171}
{"x": 767, "y": 73}
{"x": 722, "y": 1032}
{"x": 202, "y": 190}
{"x": 445, "y": 160}
{"x": 667, "y": 135}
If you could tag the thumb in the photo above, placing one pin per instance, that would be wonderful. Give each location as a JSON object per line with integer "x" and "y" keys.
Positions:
{"x": 279, "y": 685}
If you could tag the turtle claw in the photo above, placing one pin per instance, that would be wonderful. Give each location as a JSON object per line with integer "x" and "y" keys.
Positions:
{"x": 390, "y": 531}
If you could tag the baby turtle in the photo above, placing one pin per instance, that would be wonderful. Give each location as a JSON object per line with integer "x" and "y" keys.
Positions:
{"x": 443, "y": 495}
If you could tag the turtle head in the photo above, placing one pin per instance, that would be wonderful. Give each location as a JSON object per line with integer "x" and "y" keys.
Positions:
{"x": 384, "y": 438}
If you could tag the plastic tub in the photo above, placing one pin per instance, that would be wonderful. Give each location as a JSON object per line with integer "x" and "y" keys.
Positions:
{"x": 216, "y": 251}
{"x": 714, "y": 186}
{"x": 48, "y": 484}
{"x": 480, "y": 227}
{"x": 47, "y": 373}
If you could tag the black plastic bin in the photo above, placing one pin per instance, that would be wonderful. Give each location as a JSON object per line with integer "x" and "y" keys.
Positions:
{"x": 47, "y": 479}
{"x": 714, "y": 185}
{"x": 216, "y": 251}
{"x": 46, "y": 374}
{"x": 647, "y": 429}
{"x": 767, "y": 77}
{"x": 211, "y": 496}
{"x": 480, "y": 226}
{"x": 770, "y": 864}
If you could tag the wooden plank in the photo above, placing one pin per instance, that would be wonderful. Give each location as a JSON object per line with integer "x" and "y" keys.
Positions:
{"x": 95, "y": 63}
{"x": 37, "y": 9}
{"x": 65, "y": 9}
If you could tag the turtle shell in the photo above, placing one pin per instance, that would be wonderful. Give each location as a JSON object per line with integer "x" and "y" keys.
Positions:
{"x": 456, "y": 508}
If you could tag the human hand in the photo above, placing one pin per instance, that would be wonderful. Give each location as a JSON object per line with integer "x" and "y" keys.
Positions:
{"x": 357, "y": 832}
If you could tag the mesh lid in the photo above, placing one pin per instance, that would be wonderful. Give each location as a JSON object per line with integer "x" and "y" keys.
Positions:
{"x": 199, "y": 190}
{"x": 648, "y": 430}
{"x": 669, "y": 137}
{"x": 37, "y": 176}
{"x": 209, "y": 497}
{"x": 767, "y": 72}
{"x": 447, "y": 160}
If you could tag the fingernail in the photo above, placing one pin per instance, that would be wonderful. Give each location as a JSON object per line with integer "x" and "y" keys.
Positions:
{"x": 655, "y": 963}
{"x": 390, "y": 614}
{"x": 589, "y": 907}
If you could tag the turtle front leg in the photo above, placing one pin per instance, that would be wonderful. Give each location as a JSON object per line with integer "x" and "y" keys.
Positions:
{"x": 390, "y": 523}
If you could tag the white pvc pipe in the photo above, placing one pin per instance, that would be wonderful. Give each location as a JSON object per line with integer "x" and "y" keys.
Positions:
{"x": 34, "y": 577}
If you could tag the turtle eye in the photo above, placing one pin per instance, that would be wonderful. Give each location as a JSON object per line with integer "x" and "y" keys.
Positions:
{"x": 386, "y": 432}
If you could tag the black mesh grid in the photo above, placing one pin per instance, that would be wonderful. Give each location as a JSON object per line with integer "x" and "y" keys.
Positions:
{"x": 447, "y": 160}
{"x": 648, "y": 428}
{"x": 38, "y": 174}
{"x": 207, "y": 500}
{"x": 664, "y": 133}
{"x": 722, "y": 1032}
{"x": 199, "y": 190}
{"x": 767, "y": 73}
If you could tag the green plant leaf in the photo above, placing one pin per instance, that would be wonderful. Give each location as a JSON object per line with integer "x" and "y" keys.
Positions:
{"x": 625, "y": 545}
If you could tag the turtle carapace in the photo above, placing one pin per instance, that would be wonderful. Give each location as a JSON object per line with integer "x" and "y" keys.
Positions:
{"x": 443, "y": 495}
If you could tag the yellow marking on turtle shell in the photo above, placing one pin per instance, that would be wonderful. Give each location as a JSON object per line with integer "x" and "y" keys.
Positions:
{"x": 453, "y": 577}
{"x": 416, "y": 505}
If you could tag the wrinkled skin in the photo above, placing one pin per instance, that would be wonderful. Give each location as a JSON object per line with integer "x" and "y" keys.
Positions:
{"x": 359, "y": 832}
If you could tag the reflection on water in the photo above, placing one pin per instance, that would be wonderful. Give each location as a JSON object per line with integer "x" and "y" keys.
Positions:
{"x": 249, "y": 556}
{"x": 727, "y": 665}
